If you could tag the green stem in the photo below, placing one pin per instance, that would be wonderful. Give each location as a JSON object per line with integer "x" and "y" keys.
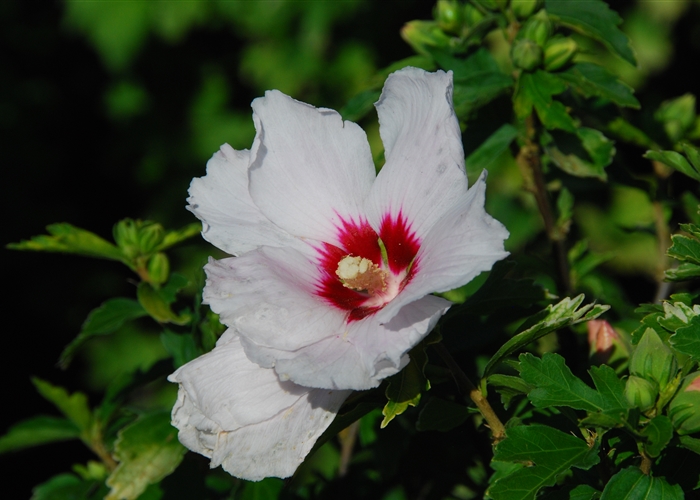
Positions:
{"x": 467, "y": 387}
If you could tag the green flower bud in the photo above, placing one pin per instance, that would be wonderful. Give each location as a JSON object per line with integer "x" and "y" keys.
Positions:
{"x": 423, "y": 34}
{"x": 524, "y": 8}
{"x": 126, "y": 237}
{"x": 151, "y": 235}
{"x": 158, "y": 268}
{"x": 653, "y": 360}
{"x": 472, "y": 15}
{"x": 641, "y": 393}
{"x": 492, "y": 4}
{"x": 449, "y": 15}
{"x": 526, "y": 54}
{"x": 538, "y": 28}
{"x": 684, "y": 409}
{"x": 558, "y": 51}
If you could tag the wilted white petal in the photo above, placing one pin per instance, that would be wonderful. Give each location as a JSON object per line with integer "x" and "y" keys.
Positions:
{"x": 244, "y": 418}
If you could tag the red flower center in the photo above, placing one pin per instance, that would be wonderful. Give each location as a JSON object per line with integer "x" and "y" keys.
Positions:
{"x": 360, "y": 240}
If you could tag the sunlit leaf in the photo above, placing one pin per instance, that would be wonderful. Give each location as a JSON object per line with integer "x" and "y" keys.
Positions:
{"x": 536, "y": 90}
{"x": 66, "y": 238}
{"x": 554, "y": 317}
{"x": 404, "y": 389}
{"x": 36, "y": 431}
{"x": 595, "y": 19}
{"x": 687, "y": 339}
{"x": 147, "y": 451}
{"x": 74, "y": 406}
{"x": 674, "y": 160}
{"x": 592, "y": 80}
{"x": 107, "y": 318}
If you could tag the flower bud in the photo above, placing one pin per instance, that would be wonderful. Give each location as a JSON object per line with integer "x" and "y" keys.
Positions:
{"x": 125, "y": 234}
{"x": 423, "y": 34}
{"x": 524, "y": 8}
{"x": 558, "y": 51}
{"x": 538, "y": 28}
{"x": 472, "y": 15}
{"x": 449, "y": 15}
{"x": 492, "y": 4}
{"x": 653, "y": 360}
{"x": 158, "y": 268}
{"x": 606, "y": 346}
{"x": 640, "y": 393}
{"x": 526, "y": 54}
{"x": 151, "y": 235}
{"x": 684, "y": 409}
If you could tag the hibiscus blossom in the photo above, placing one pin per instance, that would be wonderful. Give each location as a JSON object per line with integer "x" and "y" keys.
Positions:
{"x": 335, "y": 266}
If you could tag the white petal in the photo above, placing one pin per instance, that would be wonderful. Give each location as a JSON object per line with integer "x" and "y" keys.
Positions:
{"x": 309, "y": 168}
{"x": 268, "y": 295}
{"x": 424, "y": 172}
{"x": 283, "y": 420}
{"x": 230, "y": 219}
{"x": 464, "y": 243}
{"x": 363, "y": 355}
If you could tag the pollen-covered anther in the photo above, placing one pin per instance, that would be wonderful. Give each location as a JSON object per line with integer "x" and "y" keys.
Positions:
{"x": 358, "y": 273}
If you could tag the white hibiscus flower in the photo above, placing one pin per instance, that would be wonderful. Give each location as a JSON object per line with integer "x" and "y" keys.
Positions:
{"x": 335, "y": 265}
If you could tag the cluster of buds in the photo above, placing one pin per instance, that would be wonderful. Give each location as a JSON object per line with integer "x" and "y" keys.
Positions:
{"x": 139, "y": 241}
{"x": 534, "y": 46}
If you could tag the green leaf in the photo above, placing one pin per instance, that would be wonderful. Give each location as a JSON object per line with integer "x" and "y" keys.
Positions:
{"x": 554, "y": 317}
{"x": 36, "y": 431}
{"x": 74, "y": 406}
{"x": 610, "y": 388}
{"x": 687, "y": 339}
{"x": 404, "y": 390}
{"x": 674, "y": 160}
{"x": 147, "y": 451}
{"x": 107, "y": 318}
{"x": 536, "y": 90}
{"x": 266, "y": 489}
{"x": 684, "y": 248}
{"x": 631, "y": 484}
{"x": 685, "y": 271}
{"x": 441, "y": 415}
{"x": 624, "y": 130}
{"x": 66, "y": 238}
{"x": 693, "y": 154}
{"x": 593, "y": 18}
{"x": 690, "y": 443}
{"x": 508, "y": 387}
{"x": 359, "y": 105}
{"x": 477, "y": 80}
{"x": 584, "y": 492}
{"x": 590, "y": 152}
{"x": 172, "y": 238}
{"x": 555, "y": 385}
{"x": 591, "y": 80}
{"x": 157, "y": 304}
{"x": 69, "y": 487}
{"x": 181, "y": 346}
{"x": 490, "y": 149}
{"x": 548, "y": 452}
{"x": 658, "y": 432}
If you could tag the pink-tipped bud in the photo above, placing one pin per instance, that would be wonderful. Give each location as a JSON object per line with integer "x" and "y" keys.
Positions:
{"x": 606, "y": 345}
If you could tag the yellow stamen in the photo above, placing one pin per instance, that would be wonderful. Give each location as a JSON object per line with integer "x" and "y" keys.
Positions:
{"x": 358, "y": 273}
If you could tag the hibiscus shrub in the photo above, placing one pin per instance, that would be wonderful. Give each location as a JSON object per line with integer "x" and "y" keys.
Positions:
{"x": 390, "y": 324}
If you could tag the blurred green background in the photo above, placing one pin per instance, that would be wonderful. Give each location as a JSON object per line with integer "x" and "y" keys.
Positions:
{"x": 109, "y": 108}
